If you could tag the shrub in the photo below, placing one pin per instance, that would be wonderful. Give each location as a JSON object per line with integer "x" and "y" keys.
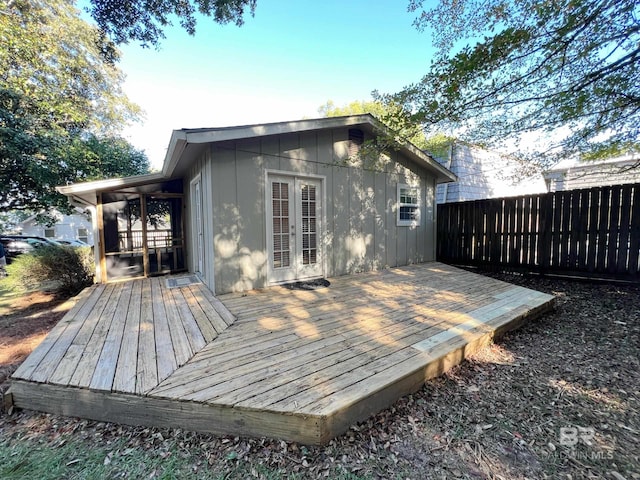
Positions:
{"x": 68, "y": 269}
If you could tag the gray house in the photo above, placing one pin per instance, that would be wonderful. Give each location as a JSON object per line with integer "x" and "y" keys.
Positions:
{"x": 574, "y": 175}
{"x": 483, "y": 174}
{"x": 67, "y": 227}
{"x": 252, "y": 206}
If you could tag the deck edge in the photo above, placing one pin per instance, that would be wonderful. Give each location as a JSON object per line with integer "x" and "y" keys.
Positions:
{"x": 163, "y": 413}
{"x": 339, "y": 421}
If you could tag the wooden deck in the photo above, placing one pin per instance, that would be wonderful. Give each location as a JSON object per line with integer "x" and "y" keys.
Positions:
{"x": 298, "y": 365}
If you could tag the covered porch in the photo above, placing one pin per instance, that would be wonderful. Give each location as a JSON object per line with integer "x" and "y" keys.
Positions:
{"x": 293, "y": 364}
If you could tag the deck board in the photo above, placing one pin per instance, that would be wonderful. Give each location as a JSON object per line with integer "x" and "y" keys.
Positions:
{"x": 166, "y": 361}
{"x": 189, "y": 323}
{"x": 104, "y": 373}
{"x": 300, "y": 365}
{"x": 127, "y": 364}
{"x": 147, "y": 371}
{"x": 82, "y": 326}
{"x": 204, "y": 320}
{"x": 26, "y": 369}
{"x": 82, "y": 376}
{"x": 181, "y": 345}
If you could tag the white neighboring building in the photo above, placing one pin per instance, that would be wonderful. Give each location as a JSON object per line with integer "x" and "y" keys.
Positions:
{"x": 483, "y": 174}
{"x": 68, "y": 227}
{"x": 572, "y": 175}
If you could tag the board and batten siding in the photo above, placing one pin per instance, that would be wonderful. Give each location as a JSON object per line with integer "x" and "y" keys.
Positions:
{"x": 201, "y": 168}
{"x": 360, "y": 232}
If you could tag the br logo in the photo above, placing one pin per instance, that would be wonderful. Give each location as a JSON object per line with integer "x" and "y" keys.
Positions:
{"x": 572, "y": 435}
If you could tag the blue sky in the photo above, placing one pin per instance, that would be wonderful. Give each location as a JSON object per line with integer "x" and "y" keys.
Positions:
{"x": 282, "y": 64}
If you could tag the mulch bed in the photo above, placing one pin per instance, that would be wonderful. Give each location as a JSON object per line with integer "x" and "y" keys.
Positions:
{"x": 559, "y": 398}
{"x": 23, "y": 325}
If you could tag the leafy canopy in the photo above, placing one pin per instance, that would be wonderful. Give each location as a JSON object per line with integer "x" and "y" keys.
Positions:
{"x": 393, "y": 116}
{"x": 61, "y": 105}
{"x": 562, "y": 73}
{"x": 144, "y": 20}
{"x": 389, "y": 113}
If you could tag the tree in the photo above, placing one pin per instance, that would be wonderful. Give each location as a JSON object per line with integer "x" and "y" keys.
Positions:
{"x": 389, "y": 113}
{"x": 394, "y": 117}
{"x": 104, "y": 157}
{"x": 61, "y": 105}
{"x": 143, "y": 20}
{"x": 563, "y": 71}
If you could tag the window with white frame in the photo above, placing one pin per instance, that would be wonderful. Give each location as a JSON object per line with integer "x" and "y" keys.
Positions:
{"x": 408, "y": 206}
{"x": 83, "y": 235}
{"x": 50, "y": 232}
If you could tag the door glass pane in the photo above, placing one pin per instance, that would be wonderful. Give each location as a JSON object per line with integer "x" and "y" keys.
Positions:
{"x": 280, "y": 219}
{"x": 309, "y": 233}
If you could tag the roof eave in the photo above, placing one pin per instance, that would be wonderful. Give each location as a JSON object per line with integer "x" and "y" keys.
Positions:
{"x": 85, "y": 192}
{"x": 443, "y": 175}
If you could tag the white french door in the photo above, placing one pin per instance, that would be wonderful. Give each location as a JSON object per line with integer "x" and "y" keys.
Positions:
{"x": 294, "y": 228}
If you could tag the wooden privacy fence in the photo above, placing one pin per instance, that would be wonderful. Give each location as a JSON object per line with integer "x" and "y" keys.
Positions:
{"x": 593, "y": 232}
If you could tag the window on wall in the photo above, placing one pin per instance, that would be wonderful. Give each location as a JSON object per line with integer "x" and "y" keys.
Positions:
{"x": 408, "y": 206}
{"x": 83, "y": 235}
{"x": 50, "y": 232}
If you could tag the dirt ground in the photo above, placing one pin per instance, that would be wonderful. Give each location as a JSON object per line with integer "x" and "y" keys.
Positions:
{"x": 559, "y": 398}
{"x": 24, "y": 322}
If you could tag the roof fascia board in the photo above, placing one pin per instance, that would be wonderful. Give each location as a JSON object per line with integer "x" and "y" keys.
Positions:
{"x": 98, "y": 185}
{"x": 251, "y": 131}
{"x": 176, "y": 147}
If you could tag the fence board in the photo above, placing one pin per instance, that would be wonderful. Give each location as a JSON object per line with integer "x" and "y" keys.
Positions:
{"x": 592, "y": 240}
{"x": 614, "y": 230}
{"x": 603, "y": 228}
{"x": 625, "y": 223}
{"x": 592, "y": 232}
{"x": 634, "y": 243}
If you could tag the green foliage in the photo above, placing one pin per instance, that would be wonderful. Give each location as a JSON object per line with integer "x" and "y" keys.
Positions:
{"x": 398, "y": 121}
{"x": 60, "y": 69}
{"x": 104, "y": 157}
{"x": 565, "y": 73}
{"x": 143, "y": 21}
{"x": 61, "y": 105}
{"x": 389, "y": 113}
{"x": 69, "y": 269}
{"x": 438, "y": 145}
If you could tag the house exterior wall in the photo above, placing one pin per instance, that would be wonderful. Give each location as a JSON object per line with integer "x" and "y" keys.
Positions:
{"x": 483, "y": 174}
{"x": 200, "y": 171}
{"x": 66, "y": 228}
{"x": 360, "y": 231}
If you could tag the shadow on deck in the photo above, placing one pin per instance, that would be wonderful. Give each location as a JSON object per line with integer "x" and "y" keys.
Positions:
{"x": 298, "y": 365}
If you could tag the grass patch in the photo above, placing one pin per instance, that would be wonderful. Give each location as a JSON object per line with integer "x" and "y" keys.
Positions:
{"x": 8, "y": 295}
{"x": 71, "y": 458}
{"x": 79, "y": 460}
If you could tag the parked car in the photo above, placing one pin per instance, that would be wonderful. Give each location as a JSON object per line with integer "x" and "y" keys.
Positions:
{"x": 73, "y": 243}
{"x": 15, "y": 245}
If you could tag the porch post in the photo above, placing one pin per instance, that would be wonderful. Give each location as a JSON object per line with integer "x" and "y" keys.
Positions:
{"x": 143, "y": 220}
{"x": 99, "y": 249}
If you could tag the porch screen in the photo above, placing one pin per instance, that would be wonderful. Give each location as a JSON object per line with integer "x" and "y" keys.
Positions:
{"x": 280, "y": 201}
